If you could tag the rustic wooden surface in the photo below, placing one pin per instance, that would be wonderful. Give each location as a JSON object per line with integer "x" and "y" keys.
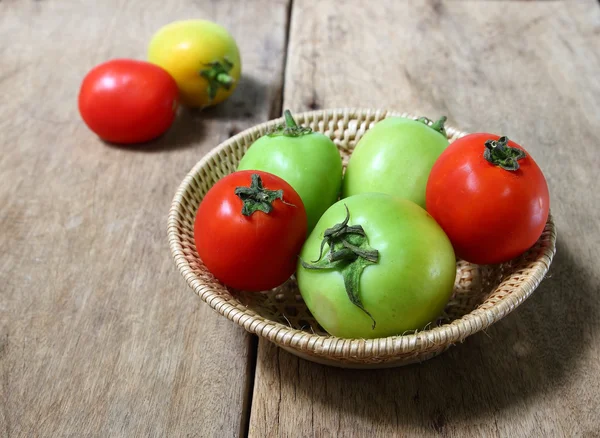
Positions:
{"x": 100, "y": 336}
{"x": 530, "y": 71}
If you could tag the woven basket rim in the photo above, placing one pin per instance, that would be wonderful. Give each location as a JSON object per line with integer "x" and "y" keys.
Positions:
{"x": 330, "y": 346}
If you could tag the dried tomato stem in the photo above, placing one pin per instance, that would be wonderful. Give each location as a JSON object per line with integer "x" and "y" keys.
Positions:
{"x": 498, "y": 153}
{"x": 217, "y": 76}
{"x": 437, "y": 126}
{"x": 290, "y": 128}
{"x": 256, "y": 197}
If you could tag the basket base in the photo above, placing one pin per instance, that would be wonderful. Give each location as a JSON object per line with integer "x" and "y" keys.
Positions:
{"x": 394, "y": 363}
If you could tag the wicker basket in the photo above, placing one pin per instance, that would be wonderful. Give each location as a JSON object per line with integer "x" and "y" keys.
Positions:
{"x": 482, "y": 294}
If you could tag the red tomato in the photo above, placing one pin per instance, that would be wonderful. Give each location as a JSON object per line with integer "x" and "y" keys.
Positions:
{"x": 127, "y": 101}
{"x": 492, "y": 211}
{"x": 246, "y": 249}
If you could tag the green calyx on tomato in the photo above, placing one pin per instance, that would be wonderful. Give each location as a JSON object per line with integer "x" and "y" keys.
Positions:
{"x": 217, "y": 76}
{"x": 350, "y": 253}
{"x": 500, "y": 154}
{"x": 257, "y": 198}
{"x": 436, "y": 126}
{"x": 290, "y": 128}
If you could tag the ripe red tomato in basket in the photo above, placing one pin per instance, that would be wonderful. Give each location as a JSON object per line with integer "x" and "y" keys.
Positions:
{"x": 127, "y": 101}
{"x": 249, "y": 229}
{"x": 489, "y": 196}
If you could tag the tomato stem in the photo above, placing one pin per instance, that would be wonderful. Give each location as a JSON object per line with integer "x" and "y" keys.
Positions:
{"x": 349, "y": 252}
{"x": 257, "y": 198}
{"x": 289, "y": 119}
{"x": 498, "y": 153}
{"x": 224, "y": 79}
{"x": 290, "y": 128}
{"x": 217, "y": 76}
{"x": 437, "y": 126}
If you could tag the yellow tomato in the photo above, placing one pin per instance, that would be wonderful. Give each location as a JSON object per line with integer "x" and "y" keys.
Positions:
{"x": 202, "y": 57}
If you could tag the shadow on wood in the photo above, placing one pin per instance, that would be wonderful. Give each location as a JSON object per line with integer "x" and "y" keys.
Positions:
{"x": 186, "y": 131}
{"x": 251, "y": 97}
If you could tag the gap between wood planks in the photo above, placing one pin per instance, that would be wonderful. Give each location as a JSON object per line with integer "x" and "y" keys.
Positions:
{"x": 277, "y": 109}
{"x": 251, "y": 373}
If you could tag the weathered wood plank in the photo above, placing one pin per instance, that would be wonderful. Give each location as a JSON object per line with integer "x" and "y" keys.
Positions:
{"x": 527, "y": 70}
{"x": 99, "y": 335}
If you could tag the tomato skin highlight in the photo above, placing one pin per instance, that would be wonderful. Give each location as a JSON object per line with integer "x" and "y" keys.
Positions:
{"x": 256, "y": 252}
{"x": 126, "y": 101}
{"x": 490, "y": 214}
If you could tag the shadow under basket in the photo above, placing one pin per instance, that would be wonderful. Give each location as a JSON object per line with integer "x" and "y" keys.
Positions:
{"x": 482, "y": 294}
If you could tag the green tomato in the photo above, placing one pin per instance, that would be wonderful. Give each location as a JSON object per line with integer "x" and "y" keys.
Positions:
{"x": 395, "y": 157}
{"x": 389, "y": 269}
{"x": 306, "y": 160}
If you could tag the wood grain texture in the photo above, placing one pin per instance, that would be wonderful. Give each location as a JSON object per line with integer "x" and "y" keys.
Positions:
{"x": 99, "y": 334}
{"x": 525, "y": 69}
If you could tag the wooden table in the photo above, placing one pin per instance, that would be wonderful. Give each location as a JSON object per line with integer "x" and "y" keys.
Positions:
{"x": 100, "y": 336}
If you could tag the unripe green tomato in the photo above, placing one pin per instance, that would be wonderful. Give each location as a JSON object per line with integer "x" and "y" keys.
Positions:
{"x": 406, "y": 288}
{"x": 395, "y": 157}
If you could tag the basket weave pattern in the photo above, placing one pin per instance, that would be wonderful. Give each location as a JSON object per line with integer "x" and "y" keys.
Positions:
{"x": 482, "y": 294}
